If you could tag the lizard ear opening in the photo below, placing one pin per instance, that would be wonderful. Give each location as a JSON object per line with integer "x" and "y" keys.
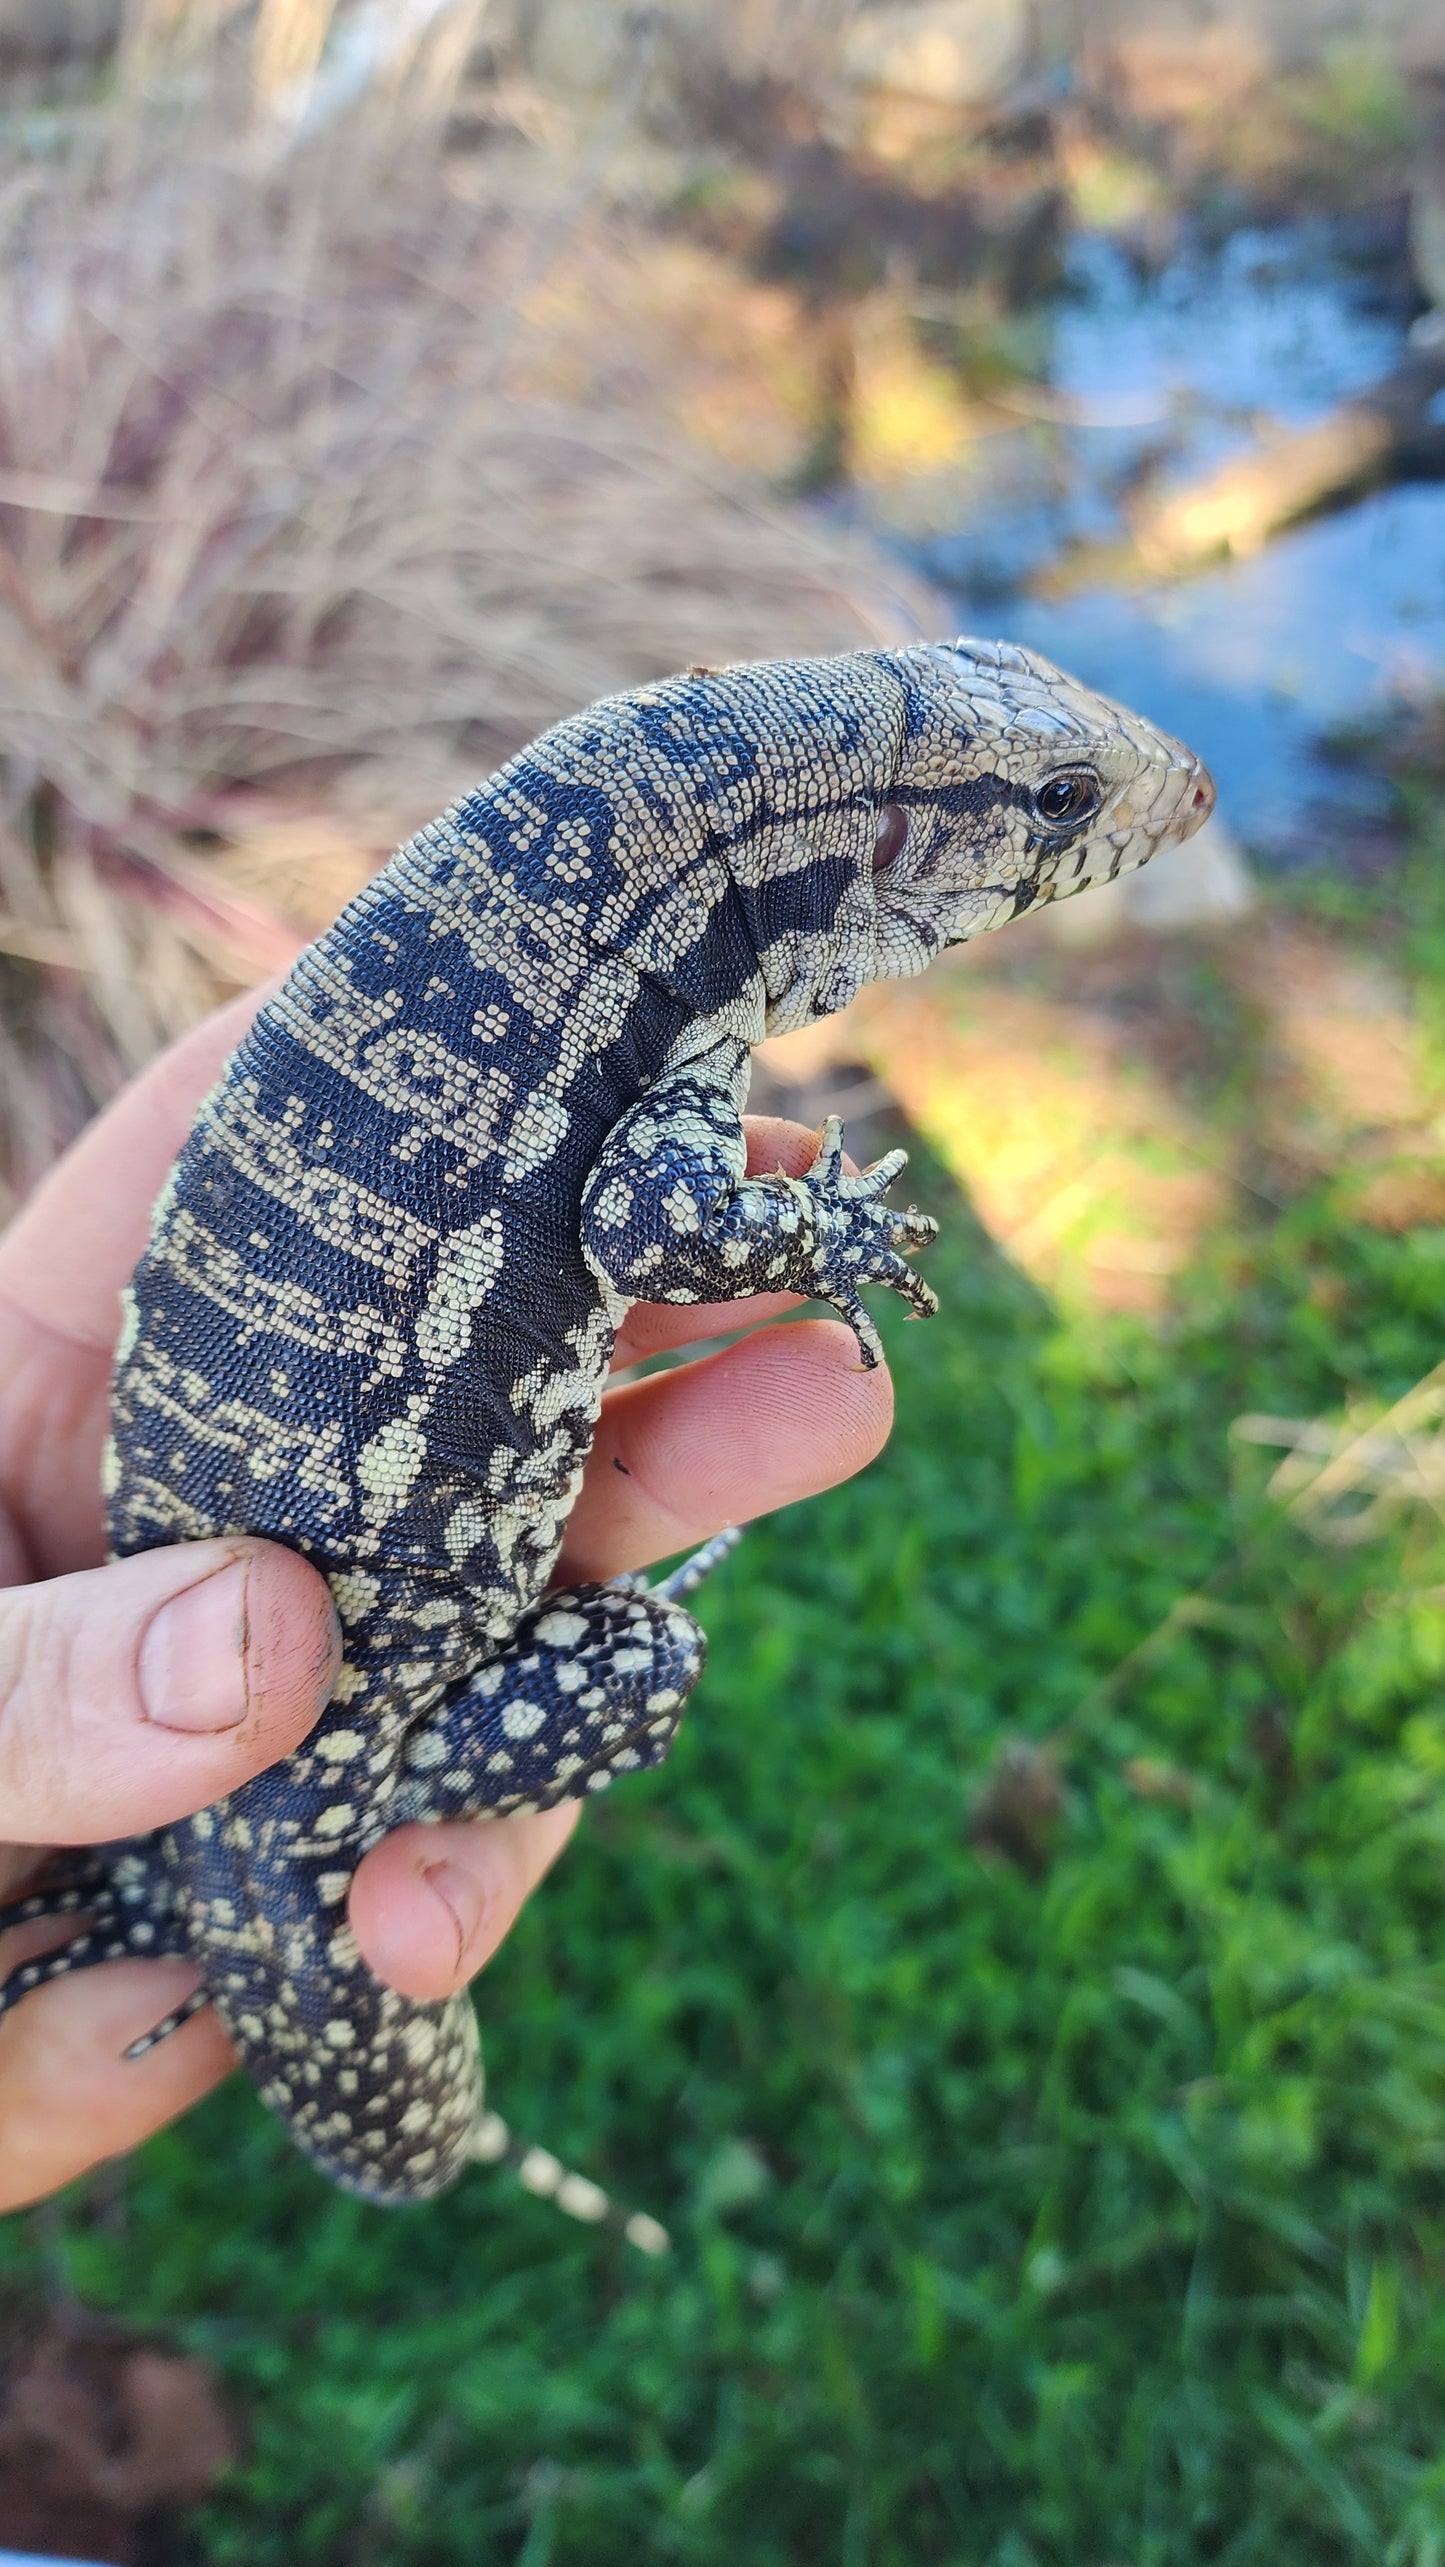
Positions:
{"x": 892, "y": 836}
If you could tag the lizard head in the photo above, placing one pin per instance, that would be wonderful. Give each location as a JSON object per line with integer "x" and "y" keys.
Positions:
{"x": 1006, "y": 785}
{"x": 1016, "y": 786}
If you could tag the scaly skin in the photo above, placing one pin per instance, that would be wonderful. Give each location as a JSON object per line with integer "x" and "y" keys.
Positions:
{"x": 494, "y": 1105}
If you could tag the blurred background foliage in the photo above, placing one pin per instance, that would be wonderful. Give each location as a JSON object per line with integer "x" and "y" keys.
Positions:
{"x": 1024, "y": 1994}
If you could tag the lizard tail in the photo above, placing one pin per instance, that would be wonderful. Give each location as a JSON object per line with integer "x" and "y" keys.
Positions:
{"x": 492, "y": 2142}
{"x": 494, "y": 2145}
{"x": 545, "y": 2175}
{"x": 681, "y": 1582}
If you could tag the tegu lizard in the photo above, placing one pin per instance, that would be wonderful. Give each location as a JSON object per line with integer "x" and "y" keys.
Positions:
{"x": 495, "y": 1104}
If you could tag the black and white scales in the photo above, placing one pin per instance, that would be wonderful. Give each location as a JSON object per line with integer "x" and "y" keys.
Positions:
{"x": 494, "y": 1105}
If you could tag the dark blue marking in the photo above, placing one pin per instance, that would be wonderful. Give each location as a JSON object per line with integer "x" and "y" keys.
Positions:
{"x": 805, "y": 902}
{"x": 697, "y": 734}
{"x": 967, "y": 798}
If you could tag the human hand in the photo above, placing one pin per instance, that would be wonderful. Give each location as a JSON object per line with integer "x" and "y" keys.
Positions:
{"x": 133, "y": 1693}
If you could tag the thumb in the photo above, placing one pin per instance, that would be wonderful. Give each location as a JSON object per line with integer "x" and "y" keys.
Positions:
{"x": 133, "y": 1694}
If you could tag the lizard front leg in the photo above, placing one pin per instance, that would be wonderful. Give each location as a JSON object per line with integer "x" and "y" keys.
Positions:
{"x": 670, "y": 1214}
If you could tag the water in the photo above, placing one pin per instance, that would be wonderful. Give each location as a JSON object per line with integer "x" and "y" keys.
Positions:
{"x": 1253, "y": 661}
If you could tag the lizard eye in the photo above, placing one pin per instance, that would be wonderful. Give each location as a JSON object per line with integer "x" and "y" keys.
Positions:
{"x": 892, "y": 836}
{"x": 1065, "y": 799}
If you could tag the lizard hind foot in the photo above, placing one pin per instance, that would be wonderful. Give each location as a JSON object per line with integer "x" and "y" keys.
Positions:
{"x": 107, "y": 1939}
{"x": 126, "y": 1912}
{"x": 195, "y": 2003}
{"x": 592, "y": 1686}
{"x": 58, "y": 1898}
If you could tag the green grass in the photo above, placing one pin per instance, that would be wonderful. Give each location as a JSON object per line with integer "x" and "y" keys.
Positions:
{"x": 1094, "y": 2218}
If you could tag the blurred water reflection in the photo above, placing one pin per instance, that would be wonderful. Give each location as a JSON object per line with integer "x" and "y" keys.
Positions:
{"x": 1251, "y": 661}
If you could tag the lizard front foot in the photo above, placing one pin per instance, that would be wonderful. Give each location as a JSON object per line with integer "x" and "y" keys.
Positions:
{"x": 859, "y": 1239}
{"x": 670, "y": 1214}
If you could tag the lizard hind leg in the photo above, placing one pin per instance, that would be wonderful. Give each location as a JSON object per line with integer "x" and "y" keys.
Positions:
{"x": 128, "y": 1913}
{"x": 58, "y": 1898}
{"x": 592, "y": 1685}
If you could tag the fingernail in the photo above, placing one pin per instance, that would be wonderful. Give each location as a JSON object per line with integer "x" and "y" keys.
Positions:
{"x": 192, "y": 1665}
{"x": 457, "y": 1892}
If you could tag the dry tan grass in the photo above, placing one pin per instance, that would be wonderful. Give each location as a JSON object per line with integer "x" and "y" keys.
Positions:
{"x": 288, "y": 550}
{"x": 287, "y": 43}
{"x": 1347, "y": 1480}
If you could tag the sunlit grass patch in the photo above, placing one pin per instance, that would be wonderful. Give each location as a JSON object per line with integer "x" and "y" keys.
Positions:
{"x": 1080, "y": 1162}
{"x": 1095, "y": 1172}
{"x": 1117, "y": 1111}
